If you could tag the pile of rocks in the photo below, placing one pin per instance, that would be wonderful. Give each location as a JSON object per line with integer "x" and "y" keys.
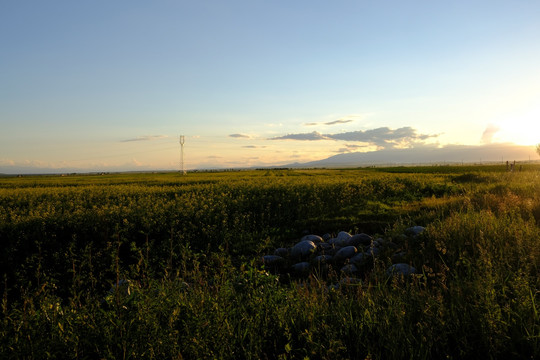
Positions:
{"x": 351, "y": 255}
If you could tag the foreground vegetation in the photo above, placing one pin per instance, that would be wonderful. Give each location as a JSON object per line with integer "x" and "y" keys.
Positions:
{"x": 166, "y": 266}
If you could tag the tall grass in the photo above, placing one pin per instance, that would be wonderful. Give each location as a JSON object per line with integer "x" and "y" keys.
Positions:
{"x": 189, "y": 249}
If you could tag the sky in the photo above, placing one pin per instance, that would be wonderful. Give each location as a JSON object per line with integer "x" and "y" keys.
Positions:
{"x": 110, "y": 85}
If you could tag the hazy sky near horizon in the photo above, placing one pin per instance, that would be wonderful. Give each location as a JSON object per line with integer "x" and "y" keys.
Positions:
{"x": 108, "y": 85}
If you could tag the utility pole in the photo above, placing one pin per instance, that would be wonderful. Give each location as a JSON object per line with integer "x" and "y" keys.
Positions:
{"x": 182, "y": 141}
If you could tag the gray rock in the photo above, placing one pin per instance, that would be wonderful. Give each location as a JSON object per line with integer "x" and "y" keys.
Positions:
{"x": 326, "y": 237}
{"x": 359, "y": 239}
{"x": 349, "y": 269}
{"x": 315, "y": 238}
{"x": 345, "y": 253}
{"x": 414, "y": 231}
{"x": 373, "y": 251}
{"x": 322, "y": 259}
{"x": 283, "y": 252}
{"x": 303, "y": 249}
{"x": 401, "y": 238}
{"x": 324, "y": 246}
{"x": 350, "y": 281}
{"x": 361, "y": 259}
{"x": 333, "y": 287}
{"x": 333, "y": 251}
{"x": 321, "y": 265}
{"x": 400, "y": 269}
{"x": 301, "y": 268}
{"x": 343, "y": 238}
{"x": 273, "y": 260}
{"x": 399, "y": 257}
{"x": 391, "y": 245}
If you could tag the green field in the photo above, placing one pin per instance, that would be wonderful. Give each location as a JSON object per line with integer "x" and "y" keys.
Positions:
{"x": 187, "y": 250}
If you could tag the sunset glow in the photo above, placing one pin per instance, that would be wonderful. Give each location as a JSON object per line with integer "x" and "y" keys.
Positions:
{"x": 109, "y": 86}
{"x": 522, "y": 130}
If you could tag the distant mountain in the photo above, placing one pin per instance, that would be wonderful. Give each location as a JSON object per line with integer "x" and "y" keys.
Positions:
{"x": 428, "y": 154}
{"x": 9, "y": 170}
{"x": 31, "y": 170}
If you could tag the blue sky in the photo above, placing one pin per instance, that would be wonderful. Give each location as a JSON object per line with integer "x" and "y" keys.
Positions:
{"x": 108, "y": 85}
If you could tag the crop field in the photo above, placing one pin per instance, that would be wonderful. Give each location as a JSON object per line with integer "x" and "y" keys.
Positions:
{"x": 166, "y": 266}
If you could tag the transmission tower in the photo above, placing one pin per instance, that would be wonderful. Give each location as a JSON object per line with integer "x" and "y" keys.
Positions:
{"x": 182, "y": 141}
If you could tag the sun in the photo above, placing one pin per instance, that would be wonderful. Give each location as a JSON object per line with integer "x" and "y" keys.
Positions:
{"x": 519, "y": 133}
{"x": 521, "y": 130}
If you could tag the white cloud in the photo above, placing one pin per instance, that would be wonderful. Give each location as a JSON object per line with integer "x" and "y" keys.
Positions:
{"x": 382, "y": 137}
{"x": 7, "y": 162}
{"x": 146, "y": 138}
{"x": 491, "y": 130}
{"x": 243, "y": 136}
{"x": 335, "y": 122}
{"x": 315, "y": 135}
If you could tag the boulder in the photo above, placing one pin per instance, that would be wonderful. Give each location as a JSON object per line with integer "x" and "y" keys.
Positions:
{"x": 351, "y": 254}
{"x": 333, "y": 251}
{"x": 273, "y": 260}
{"x": 399, "y": 257}
{"x": 391, "y": 245}
{"x": 400, "y": 269}
{"x": 321, "y": 264}
{"x": 342, "y": 238}
{"x": 361, "y": 259}
{"x": 414, "y": 231}
{"x": 401, "y": 238}
{"x": 349, "y": 269}
{"x": 303, "y": 249}
{"x": 359, "y": 239}
{"x": 301, "y": 268}
{"x": 373, "y": 251}
{"x": 333, "y": 287}
{"x": 315, "y": 238}
{"x": 283, "y": 252}
{"x": 322, "y": 259}
{"x": 345, "y": 253}
{"x": 350, "y": 281}
{"x": 324, "y": 246}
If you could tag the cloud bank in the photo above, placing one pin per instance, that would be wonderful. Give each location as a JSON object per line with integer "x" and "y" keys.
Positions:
{"x": 382, "y": 137}
{"x": 243, "y": 136}
{"x": 491, "y": 130}
{"x": 312, "y": 136}
{"x": 146, "y": 138}
{"x": 342, "y": 120}
{"x": 350, "y": 148}
{"x": 335, "y": 122}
